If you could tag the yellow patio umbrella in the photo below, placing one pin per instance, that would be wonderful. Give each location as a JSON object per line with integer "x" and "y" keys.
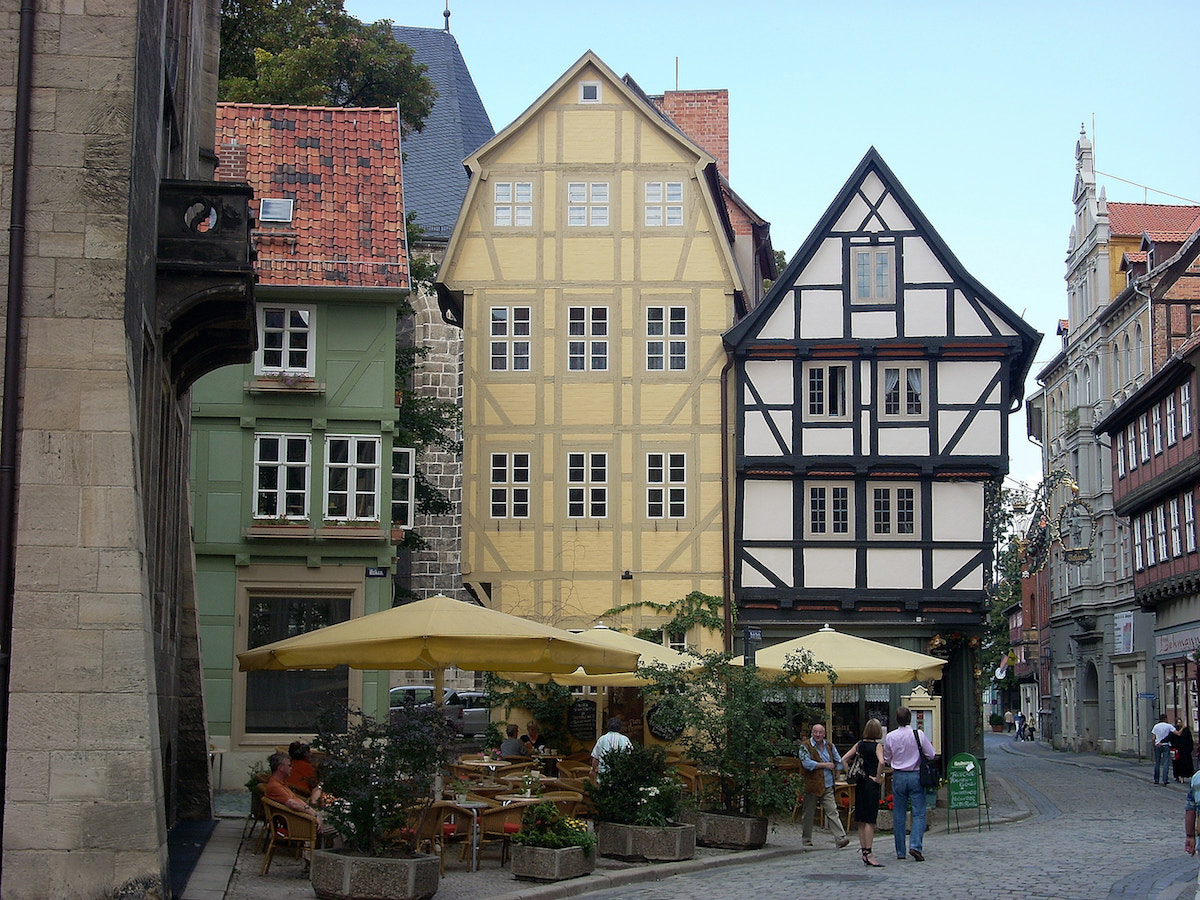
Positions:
{"x": 437, "y": 633}
{"x": 854, "y": 660}
{"x": 649, "y": 653}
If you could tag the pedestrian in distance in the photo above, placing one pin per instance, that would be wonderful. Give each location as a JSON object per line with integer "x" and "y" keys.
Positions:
{"x": 1009, "y": 720}
{"x": 902, "y": 753}
{"x": 1019, "y": 720}
{"x": 1162, "y": 749}
{"x": 1189, "y": 815}
{"x": 1182, "y": 748}
{"x": 821, "y": 761}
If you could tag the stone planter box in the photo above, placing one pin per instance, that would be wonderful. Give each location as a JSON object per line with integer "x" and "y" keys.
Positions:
{"x": 337, "y": 875}
{"x": 545, "y": 864}
{"x": 729, "y": 831}
{"x": 646, "y": 842}
{"x": 886, "y": 822}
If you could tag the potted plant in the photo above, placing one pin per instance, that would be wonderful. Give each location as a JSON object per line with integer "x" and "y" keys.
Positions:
{"x": 636, "y": 803}
{"x": 997, "y": 722}
{"x": 379, "y": 778}
{"x": 551, "y": 846}
{"x": 724, "y": 715}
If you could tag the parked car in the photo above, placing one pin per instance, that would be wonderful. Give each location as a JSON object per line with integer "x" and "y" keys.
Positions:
{"x": 467, "y": 711}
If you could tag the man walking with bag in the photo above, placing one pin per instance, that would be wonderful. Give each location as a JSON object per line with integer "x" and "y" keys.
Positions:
{"x": 902, "y": 750}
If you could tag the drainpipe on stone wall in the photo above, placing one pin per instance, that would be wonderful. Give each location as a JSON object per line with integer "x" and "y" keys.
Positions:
{"x": 9, "y": 424}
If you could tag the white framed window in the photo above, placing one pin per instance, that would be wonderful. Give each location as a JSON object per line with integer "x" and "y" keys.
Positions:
{"x": 1185, "y": 409}
{"x": 871, "y": 275}
{"x": 664, "y": 203}
{"x": 587, "y": 203}
{"x": 587, "y": 343}
{"x": 830, "y": 511}
{"x": 1156, "y": 426}
{"x": 282, "y": 464}
{"x": 666, "y": 485}
{"x": 1161, "y": 531}
{"x": 510, "y": 330}
{"x": 666, "y": 338}
{"x": 1172, "y": 421}
{"x": 589, "y": 92}
{"x": 826, "y": 390}
{"x": 285, "y": 340}
{"x": 1148, "y": 524}
{"x": 1131, "y": 445}
{"x": 902, "y": 391}
{"x": 510, "y": 486}
{"x": 275, "y": 209}
{"x": 1189, "y": 522}
{"x": 404, "y": 486}
{"x": 1120, "y": 454}
{"x": 1176, "y": 530}
{"x": 895, "y": 511}
{"x": 587, "y": 485}
{"x": 1144, "y": 433}
{"x": 1137, "y": 544}
{"x": 352, "y": 477}
{"x": 676, "y": 640}
{"x": 513, "y": 204}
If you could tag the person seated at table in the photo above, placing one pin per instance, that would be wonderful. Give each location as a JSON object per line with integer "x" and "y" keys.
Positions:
{"x": 304, "y": 774}
{"x": 512, "y": 745}
{"x": 277, "y": 789}
{"x": 532, "y": 740}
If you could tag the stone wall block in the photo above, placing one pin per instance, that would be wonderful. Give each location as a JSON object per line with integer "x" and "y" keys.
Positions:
{"x": 43, "y": 826}
{"x": 54, "y": 457}
{"x": 118, "y": 826}
{"x": 51, "y": 402}
{"x": 111, "y": 459}
{"x": 111, "y": 609}
{"x": 104, "y": 401}
{"x": 56, "y": 659}
{"x": 116, "y": 721}
{"x": 74, "y": 775}
{"x": 52, "y": 610}
{"x": 59, "y": 244}
{"x": 42, "y": 721}
{"x": 28, "y": 776}
{"x": 120, "y": 571}
{"x": 84, "y": 286}
{"x": 49, "y": 515}
{"x": 56, "y": 569}
{"x": 127, "y": 776}
{"x": 105, "y": 237}
{"x": 36, "y": 875}
{"x": 105, "y": 512}
{"x": 126, "y": 658}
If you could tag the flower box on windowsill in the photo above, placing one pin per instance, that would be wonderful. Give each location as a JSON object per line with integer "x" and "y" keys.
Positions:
{"x": 280, "y": 528}
{"x": 351, "y": 530}
{"x": 268, "y": 384}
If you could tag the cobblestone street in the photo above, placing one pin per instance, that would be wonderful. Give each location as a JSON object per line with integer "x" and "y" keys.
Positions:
{"x": 1097, "y": 828}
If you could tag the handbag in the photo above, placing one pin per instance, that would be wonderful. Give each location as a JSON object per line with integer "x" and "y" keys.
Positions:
{"x": 857, "y": 772}
{"x": 929, "y": 776}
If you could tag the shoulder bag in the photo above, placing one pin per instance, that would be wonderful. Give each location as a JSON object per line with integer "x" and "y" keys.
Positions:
{"x": 929, "y": 774}
{"x": 857, "y": 773}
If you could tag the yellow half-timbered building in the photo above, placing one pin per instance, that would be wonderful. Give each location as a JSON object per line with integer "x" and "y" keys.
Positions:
{"x": 593, "y": 274}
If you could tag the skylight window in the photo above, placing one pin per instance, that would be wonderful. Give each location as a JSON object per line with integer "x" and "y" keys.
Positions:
{"x": 275, "y": 209}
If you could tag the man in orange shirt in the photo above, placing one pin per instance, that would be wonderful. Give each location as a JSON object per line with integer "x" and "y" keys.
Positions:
{"x": 276, "y": 787}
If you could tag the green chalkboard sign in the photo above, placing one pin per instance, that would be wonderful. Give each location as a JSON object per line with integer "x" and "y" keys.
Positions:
{"x": 965, "y": 774}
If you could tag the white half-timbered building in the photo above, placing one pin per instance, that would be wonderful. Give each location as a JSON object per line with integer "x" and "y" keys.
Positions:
{"x": 874, "y": 384}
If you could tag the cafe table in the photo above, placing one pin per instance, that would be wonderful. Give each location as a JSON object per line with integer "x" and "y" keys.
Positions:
{"x": 515, "y": 779}
{"x": 475, "y": 806}
{"x": 511, "y": 799}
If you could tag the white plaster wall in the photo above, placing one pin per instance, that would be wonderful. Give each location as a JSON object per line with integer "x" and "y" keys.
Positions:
{"x": 825, "y": 267}
{"x": 829, "y": 567}
{"x": 828, "y": 441}
{"x": 873, "y": 324}
{"x": 781, "y": 324}
{"x": 821, "y": 315}
{"x": 904, "y": 441}
{"x": 773, "y": 379}
{"x": 957, "y": 511}
{"x": 925, "y": 313}
{"x": 767, "y": 511}
{"x": 759, "y": 441}
{"x": 778, "y": 560}
{"x": 920, "y": 265}
{"x": 889, "y": 567}
{"x": 964, "y": 382}
{"x": 893, "y": 215}
{"x": 966, "y": 320}
{"x": 982, "y": 437}
{"x": 947, "y": 562}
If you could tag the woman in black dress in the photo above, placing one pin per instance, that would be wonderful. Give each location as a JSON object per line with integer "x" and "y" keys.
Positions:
{"x": 866, "y": 795}
{"x": 1184, "y": 747}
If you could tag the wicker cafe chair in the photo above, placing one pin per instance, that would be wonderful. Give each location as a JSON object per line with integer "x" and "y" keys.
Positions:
{"x": 497, "y": 826}
{"x": 256, "y": 817}
{"x": 441, "y": 824}
{"x": 289, "y": 828}
{"x": 567, "y": 802}
{"x": 574, "y": 769}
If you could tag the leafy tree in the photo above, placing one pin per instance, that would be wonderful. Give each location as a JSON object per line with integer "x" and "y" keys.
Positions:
{"x": 697, "y": 608}
{"x": 1005, "y": 587}
{"x": 316, "y": 54}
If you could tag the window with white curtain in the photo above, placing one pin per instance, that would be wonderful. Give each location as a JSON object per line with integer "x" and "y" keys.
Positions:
{"x": 903, "y": 392}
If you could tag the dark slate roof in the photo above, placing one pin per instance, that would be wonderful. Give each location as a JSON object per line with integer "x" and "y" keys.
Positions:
{"x": 434, "y": 179}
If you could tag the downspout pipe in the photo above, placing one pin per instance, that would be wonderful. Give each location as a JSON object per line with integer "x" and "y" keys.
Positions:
{"x": 727, "y": 447}
{"x": 13, "y": 367}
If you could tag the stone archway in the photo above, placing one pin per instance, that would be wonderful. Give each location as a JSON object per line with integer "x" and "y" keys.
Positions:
{"x": 1089, "y": 708}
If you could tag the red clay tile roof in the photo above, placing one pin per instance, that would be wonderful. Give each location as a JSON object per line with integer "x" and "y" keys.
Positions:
{"x": 342, "y": 169}
{"x": 1162, "y": 222}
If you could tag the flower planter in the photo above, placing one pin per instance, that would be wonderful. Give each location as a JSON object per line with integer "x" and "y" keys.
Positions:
{"x": 886, "y": 820}
{"x": 729, "y": 831}
{"x": 338, "y": 875}
{"x": 544, "y": 864}
{"x": 646, "y": 842}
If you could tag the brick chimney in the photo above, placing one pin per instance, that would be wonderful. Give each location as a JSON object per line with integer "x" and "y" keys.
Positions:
{"x": 232, "y": 164}
{"x": 704, "y": 117}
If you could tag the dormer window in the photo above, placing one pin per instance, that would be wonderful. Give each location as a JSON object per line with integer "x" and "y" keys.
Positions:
{"x": 275, "y": 209}
{"x": 589, "y": 92}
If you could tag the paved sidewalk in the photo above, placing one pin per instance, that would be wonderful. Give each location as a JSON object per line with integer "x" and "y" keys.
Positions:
{"x": 287, "y": 880}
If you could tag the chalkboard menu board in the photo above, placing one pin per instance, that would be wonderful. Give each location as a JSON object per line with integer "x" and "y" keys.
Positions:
{"x": 581, "y": 720}
{"x": 964, "y": 775}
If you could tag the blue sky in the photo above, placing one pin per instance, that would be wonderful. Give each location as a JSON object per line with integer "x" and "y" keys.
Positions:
{"x": 975, "y": 107}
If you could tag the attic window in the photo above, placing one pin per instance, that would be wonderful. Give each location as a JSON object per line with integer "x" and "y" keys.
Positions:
{"x": 589, "y": 92}
{"x": 275, "y": 210}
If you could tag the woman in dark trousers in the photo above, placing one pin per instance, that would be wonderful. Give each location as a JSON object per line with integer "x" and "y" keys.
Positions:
{"x": 1183, "y": 747}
